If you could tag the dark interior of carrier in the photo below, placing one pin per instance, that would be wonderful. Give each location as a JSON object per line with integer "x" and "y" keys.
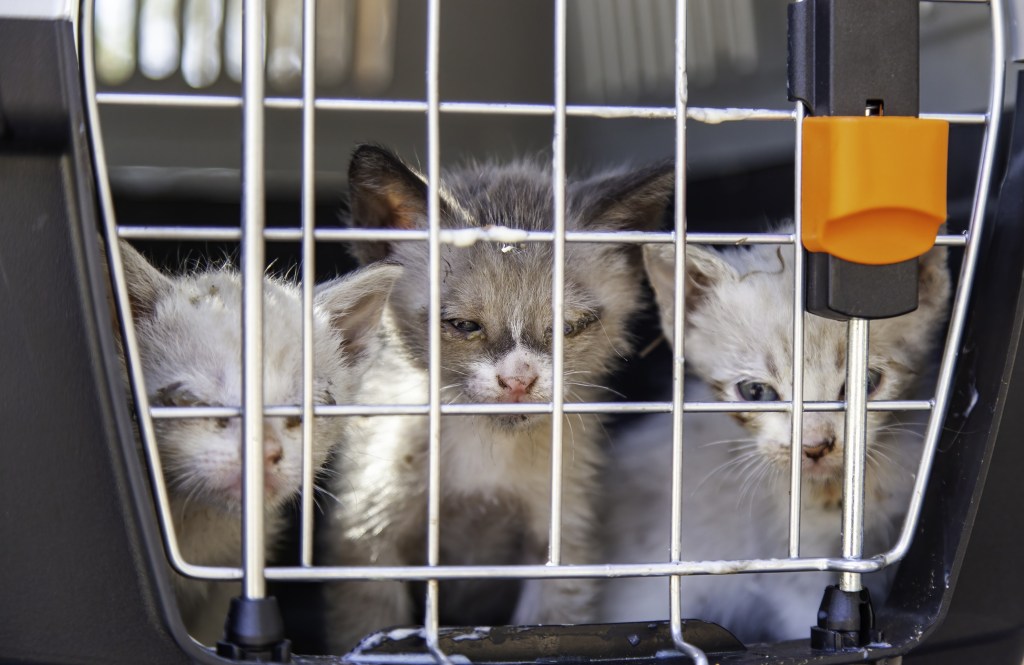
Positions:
{"x": 83, "y": 574}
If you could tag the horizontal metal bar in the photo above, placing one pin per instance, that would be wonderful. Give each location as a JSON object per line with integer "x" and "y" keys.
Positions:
{"x": 546, "y": 571}
{"x": 281, "y": 411}
{"x": 706, "y": 115}
{"x": 957, "y": 118}
{"x": 466, "y": 237}
{"x": 168, "y": 100}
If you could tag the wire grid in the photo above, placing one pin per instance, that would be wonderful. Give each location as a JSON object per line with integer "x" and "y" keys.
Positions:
{"x": 253, "y": 236}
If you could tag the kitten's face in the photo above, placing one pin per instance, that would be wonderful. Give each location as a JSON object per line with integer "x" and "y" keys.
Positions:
{"x": 496, "y": 327}
{"x": 191, "y": 352}
{"x": 189, "y": 334}
{"x": 496, "y": 315}
{"x": 738, "y": 339}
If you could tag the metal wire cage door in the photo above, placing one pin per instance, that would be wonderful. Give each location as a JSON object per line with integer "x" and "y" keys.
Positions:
{"x": 254, "y": 627}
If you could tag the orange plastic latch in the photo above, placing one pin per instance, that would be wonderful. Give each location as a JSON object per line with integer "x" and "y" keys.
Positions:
{"x": 874, "y": 188}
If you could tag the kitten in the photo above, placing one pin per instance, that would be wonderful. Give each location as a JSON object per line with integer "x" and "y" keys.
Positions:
{"x": 189, "y": 336}
{"x": 736, "y": 479}
{"x": 496, "y": 347}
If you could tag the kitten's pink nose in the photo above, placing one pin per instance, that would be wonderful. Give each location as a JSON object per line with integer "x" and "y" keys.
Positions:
{"x": 517, "y": 387}
{"x": 816, "y": 450}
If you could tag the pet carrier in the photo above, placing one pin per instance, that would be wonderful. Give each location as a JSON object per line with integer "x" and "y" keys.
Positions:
{"x": 89, "y": 549}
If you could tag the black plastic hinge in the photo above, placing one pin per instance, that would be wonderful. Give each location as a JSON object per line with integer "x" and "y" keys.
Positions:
{"x": 851, "y": 58}
{"x": 254, "y": 632}
{"x": 846, "y": 621}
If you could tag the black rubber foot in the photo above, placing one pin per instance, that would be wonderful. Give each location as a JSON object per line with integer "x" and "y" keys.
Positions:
{"x": 846, "y": 620}
{"x": 254, "y": 632}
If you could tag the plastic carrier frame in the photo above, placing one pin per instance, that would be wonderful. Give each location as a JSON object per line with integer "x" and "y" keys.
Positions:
{"x": 86, "y": 540}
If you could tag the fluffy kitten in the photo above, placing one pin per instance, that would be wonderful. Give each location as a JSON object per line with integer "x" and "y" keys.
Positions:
{"x": 736, "y": 479}
{"x": 496, "y": 332}
{"x": 189, "y": 335}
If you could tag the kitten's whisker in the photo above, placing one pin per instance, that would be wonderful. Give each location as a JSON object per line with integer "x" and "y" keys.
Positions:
{"x": 752, "y": 482}
{"x": 197, "y": 488}
{"x": 908, "y": 432}
{"x": 610, "y": 342}
{"x": 572, "y": 439}
{"x": 328, "y": 472}
{"x": 742, "y": 444}
{"x": 734, "y": 468}
{"x": 746, "y": 482}
{"x": 880, "y": 456}
{"x": 594, "y": 385}
{"x": 455, "y": 400}
{"x": 327, "y": 494}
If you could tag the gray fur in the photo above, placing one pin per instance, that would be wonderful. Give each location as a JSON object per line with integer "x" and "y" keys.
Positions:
{"x": 495, "y": 469}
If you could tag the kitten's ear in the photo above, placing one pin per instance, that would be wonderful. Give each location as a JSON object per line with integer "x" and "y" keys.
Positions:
{"x": 146, "y": 285}
{"x": 704, "y": 270}
{"x": 385, "y": 193}
{"x": 355, "y": 304}
{"x": 635, "y": 201}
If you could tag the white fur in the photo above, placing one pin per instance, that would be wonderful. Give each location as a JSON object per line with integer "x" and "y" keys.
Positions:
{"x": 189, "y": 335}
{"x": 735, "y": 478}
{"x": 484, "y": 470}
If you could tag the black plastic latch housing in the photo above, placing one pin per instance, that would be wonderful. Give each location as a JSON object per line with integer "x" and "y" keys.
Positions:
{"x": 856, "y": 58}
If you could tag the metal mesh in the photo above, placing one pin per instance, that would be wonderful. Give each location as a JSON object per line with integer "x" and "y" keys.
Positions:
{"x": 253, "y": 235}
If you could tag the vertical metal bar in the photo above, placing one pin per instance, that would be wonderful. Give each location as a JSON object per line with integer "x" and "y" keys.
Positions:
{"x": 253, "y": 266}
{"x": 963, "y": 291}
{"x": 797, "y": 415}
{"x": 308, "y": 272}
{"x": 854, "y": 447}
{"x": 557, "y": 289}
{"x": 434, "y": 322}
{"x": 119, "y": 284}
{"x": 678, "y": 357}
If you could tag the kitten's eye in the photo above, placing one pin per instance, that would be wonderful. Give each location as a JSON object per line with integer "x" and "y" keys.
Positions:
{"x": 579, "y": 325}
{"x": 874, "y": 380}
{"x": 572, "y": 328}
{"x": 222, "y": 423}
{"x": 469, "y": 329}
{"x": 292, "y": 422}
{"x": 755, "y": 391}
{"x": 175, "y": 394}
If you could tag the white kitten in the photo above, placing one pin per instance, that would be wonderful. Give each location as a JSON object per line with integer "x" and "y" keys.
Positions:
{"x": 189, "y": 336}
{"x": 736, "y": 479}
{"x": 496, "y": 347}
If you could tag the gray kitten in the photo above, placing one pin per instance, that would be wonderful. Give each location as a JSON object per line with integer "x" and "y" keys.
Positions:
{"x": 496, "y": 347}
{"x": 189, "y": 335}
{"x": 738, "y": 342}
